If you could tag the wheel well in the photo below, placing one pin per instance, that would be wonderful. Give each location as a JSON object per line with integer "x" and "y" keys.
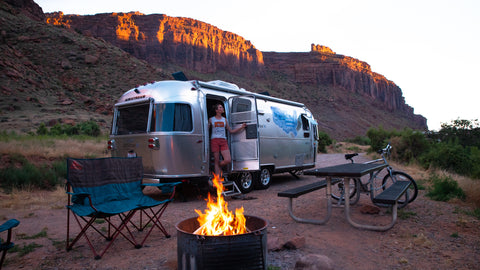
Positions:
{"x": 271, "y": 168}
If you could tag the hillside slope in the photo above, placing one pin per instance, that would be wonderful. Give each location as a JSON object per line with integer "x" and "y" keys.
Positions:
{"x": 55, "y": 75}
{"x": 74, "y": 69}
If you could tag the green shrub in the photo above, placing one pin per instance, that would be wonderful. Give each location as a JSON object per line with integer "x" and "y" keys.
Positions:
{"x": 449, "y": 156}
{"x": 42, "y": 129}
{"x": 445, "y": 188}
{"x": 361, "y": 140}
{"x": 23, "y": 174}
{"x": 323, "y": 141}
{"x": 25, "y": 249}
{"x": 408, "y": 145}
{"x": 89, "y": 128}
{"x": 379, "y": 138}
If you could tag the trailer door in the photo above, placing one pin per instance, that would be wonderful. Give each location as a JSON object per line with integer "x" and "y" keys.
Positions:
{"x": 244, "y": 144}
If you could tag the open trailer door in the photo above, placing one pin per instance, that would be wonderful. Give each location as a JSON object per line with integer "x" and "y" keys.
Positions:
{"x": 245, "y": 144}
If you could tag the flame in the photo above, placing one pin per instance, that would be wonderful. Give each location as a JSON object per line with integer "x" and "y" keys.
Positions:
{"x": 218, "y": 220}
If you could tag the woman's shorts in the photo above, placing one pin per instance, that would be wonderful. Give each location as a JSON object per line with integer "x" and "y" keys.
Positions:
{"x": 218, "y": 144}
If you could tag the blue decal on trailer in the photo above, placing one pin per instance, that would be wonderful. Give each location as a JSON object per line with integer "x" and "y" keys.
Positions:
{"x": 287, "y": 122}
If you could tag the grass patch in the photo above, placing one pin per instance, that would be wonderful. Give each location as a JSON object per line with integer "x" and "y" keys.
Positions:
{"x": 25, "y": 249}
{"x": 38, "y": 162}
{"x": 41, "y": 234}
{"x": 474, "y": 213}
{"x": 444, "y": 188}
{"x": 21, "y": 174}
{"x": 53, "y": 146}
{"x": 403, "y": 214}
{"x": 59, "y": 244}
{"x": 32, "y": 199}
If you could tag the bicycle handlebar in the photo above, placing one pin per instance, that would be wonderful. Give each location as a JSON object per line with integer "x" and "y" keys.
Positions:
{"x": 384, "y": 151}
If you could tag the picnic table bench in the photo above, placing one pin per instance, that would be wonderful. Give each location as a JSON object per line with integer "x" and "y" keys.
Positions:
{"x": 344, "y": 172}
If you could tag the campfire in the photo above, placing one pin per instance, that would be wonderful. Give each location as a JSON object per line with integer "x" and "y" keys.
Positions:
{"x": 217, "y": 219}
{"x": 219, "y": 239}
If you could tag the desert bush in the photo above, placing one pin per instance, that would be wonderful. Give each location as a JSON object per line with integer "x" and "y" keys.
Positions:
{"x": 89, "y": 128}
{"x": 323, "y": 141}
{"x": 409, "y": 145}
{"x": 21, "y": 174}
{"x": 379, "y": 137}
{"x": 361, "y": 140}
{"x": 444, "y": 188}
{"x": 452, "y": 157}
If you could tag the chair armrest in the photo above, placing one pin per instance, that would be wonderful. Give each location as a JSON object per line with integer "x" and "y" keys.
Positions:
{"x": 9, "y": 225}
{"x": 82, "y": 198}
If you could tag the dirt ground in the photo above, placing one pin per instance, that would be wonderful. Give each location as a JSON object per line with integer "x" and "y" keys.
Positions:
{"x": 427, "y": 235}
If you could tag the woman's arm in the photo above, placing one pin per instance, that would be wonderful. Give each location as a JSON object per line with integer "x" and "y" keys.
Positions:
{"x": 237, "y": 129}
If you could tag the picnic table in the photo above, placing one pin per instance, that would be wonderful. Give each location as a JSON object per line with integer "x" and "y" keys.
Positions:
{"x": 342, "y": 172}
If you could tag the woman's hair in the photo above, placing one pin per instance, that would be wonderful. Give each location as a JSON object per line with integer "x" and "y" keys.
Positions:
{"x": 214, "y": 107}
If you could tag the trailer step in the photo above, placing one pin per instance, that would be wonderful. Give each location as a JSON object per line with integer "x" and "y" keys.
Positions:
{"x": 230, "y": 189}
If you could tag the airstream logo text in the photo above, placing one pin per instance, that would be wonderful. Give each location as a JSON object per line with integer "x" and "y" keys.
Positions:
{"x": 133, "y": 98}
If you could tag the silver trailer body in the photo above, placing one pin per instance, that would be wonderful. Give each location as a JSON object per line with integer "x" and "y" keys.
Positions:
{"x": 166, "y": 123}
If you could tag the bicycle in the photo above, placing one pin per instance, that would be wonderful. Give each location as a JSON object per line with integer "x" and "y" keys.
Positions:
{"x": 373, "y": 185}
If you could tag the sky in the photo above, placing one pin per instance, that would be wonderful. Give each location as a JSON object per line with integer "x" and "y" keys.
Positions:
{"x": 429, "y": 48}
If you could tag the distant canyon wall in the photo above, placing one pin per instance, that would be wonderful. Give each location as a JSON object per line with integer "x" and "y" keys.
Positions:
{"x": 161, "y": 39}
{"x": 325, "y": 67}
{"x": 198, "y": 46}
{"x": 322, "y": 66}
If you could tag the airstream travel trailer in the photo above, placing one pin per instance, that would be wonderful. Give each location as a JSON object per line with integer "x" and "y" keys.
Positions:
{"x": 166, "y": 123}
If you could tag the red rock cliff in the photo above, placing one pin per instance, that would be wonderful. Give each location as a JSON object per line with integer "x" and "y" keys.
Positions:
{"x": 322, "y": 66}
{"x": 158, "y": 38}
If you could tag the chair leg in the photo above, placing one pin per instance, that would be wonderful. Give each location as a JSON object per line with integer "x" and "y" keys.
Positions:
{"x": 110, "y": 237}
{"x": 154, "y": 218}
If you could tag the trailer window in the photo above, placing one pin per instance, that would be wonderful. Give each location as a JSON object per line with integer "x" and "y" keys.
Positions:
{"x": 131, "y": 120}
{"x": 305, "y": 123}
{"x": 172, "y": 117}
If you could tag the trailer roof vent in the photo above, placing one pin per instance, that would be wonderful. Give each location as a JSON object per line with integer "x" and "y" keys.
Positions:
{"x": 225, "y": 84}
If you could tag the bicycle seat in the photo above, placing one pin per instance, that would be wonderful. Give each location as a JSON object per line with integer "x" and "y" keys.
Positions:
{"x": 350, "y": 156}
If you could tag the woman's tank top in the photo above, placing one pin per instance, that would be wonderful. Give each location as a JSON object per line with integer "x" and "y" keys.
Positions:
{"x": 218, "y": 128}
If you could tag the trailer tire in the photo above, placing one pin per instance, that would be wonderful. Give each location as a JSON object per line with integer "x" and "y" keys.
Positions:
{"x": 244, "y": 181}
{"x": 264, "y": 178}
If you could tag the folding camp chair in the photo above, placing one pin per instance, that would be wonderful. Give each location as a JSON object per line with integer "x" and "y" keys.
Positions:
{"x": 8, "y": 244}
{"x": 111, "y": 189}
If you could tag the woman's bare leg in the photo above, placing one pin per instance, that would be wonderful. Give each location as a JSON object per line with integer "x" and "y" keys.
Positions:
{"x": 216, "y": 156}
{"x": 226, "y": 158}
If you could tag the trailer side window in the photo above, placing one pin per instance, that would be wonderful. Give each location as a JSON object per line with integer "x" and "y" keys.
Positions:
{"x": 305, "y": 126}
{"x": 305, "y": 123}
{"x": 242, "y": 105}
{"x": 132, "y": 120}
{"x": 172, "y": 117}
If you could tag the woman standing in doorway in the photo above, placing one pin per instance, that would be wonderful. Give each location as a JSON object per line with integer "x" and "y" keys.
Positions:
{"x": 218, "y": 142}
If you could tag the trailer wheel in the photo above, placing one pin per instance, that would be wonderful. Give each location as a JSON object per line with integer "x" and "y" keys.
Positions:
{"x": 244, "y": 181}
{"x": 264, "y": 178}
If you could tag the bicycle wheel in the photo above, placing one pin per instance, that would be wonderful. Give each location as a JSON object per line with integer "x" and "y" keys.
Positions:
{"x": 338, "y": 191}
{"x": 412, "y": 191}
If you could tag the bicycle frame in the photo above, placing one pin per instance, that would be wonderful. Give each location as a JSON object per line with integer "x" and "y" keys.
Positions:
{"x": 369, "y": 186}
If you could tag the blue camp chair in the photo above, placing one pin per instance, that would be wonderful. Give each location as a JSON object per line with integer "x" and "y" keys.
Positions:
{"x": 111, "y": 189}
{"x": 8, "y": 244}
